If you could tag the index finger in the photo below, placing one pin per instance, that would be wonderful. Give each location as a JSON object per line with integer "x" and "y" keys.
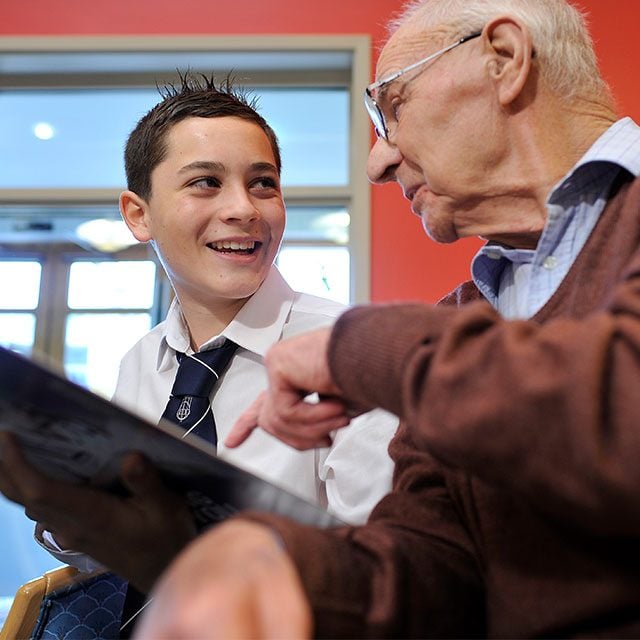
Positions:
{"x": 245, "y": 424}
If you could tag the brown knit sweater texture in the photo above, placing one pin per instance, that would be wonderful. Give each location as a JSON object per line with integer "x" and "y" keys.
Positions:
{"x": 515, "y": 510}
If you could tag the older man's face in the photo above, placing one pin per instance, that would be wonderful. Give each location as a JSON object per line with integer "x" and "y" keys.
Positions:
{"x": 446, "y": 144}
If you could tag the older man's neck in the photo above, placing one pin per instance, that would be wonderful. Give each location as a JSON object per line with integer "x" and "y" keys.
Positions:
{"x": 557, "y": 141}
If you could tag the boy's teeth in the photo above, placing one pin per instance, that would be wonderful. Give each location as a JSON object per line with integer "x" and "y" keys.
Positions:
{"x": 234, "y": 246}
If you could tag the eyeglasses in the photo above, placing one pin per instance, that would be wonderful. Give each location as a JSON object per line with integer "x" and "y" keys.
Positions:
{"x": 373, "y": 108}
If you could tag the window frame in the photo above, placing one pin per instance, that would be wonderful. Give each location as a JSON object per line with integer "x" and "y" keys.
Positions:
{"x": 355, "y": 196}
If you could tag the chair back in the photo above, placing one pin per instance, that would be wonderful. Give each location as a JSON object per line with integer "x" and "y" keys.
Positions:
{"x": 64, "y": 604}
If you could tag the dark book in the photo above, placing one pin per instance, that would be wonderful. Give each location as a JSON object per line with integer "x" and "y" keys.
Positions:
{"x": 72, "y": 434}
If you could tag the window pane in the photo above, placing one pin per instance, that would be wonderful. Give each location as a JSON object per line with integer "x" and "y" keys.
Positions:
{"x": 321, "y": 271}
{"x": 126, "y": 284}
{"x": 19, "y": 284}
{"x": 95, "y": 344}
{"x": 74, "y": 137}
{"x": 22, "y": 558}
{"x": 317, "y": 223}
{"x": 68, "y": 138}
{"x": 17, "y": 331}
{"x": 313, "y": 129}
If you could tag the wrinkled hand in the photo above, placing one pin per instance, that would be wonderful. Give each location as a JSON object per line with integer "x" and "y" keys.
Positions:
{"x": 234, "y": 581}
{"x": 296, "y": 367}
{"x": 136, "y": 536}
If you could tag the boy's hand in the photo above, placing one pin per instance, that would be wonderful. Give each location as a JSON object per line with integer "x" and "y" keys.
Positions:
{"x": 135, "y": 536}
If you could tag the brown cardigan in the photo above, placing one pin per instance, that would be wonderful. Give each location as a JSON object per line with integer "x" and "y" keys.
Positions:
{"x": 516, "y": 503}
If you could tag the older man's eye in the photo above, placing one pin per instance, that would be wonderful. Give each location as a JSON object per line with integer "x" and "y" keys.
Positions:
{"x": 396, "y": 106}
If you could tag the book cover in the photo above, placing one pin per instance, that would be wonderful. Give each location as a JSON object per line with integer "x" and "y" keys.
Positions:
{"x": 72, "y": 434}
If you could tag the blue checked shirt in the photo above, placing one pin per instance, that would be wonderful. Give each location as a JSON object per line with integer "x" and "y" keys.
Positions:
{"x": 519, "y": 282}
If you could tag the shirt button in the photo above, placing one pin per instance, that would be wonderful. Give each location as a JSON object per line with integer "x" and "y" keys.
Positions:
{"x": 550, "y": 262}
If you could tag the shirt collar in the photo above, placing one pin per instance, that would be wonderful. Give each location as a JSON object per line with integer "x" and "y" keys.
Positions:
{"x": 257, "y": 326}
{"x": 619, "y": 145}
{"x": 617, "y": 148}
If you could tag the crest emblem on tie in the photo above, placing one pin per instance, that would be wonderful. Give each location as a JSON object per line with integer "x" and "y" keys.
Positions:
{"x": 184, "y": 409}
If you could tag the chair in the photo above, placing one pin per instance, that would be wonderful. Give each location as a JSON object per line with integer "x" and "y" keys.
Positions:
{"x": 65, "y": 604}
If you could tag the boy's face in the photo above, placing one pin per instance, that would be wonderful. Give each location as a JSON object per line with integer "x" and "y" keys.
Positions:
{"x": 216, "y": 213}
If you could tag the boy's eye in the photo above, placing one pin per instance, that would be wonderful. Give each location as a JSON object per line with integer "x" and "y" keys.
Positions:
{"x": 265, "y": 182}
{"x": 206, "y": 183}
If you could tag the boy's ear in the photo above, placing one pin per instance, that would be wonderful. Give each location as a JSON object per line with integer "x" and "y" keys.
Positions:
{"x": 134, "y": 211}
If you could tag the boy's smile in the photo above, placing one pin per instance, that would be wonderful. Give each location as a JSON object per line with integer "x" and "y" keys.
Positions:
{"x": 215, "y": 213}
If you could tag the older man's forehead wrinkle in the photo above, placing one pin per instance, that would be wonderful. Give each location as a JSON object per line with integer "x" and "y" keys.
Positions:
{"x": 407, "y": 45}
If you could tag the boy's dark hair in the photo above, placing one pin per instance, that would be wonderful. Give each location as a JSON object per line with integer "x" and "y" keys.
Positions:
{"x": 196, "y": 96}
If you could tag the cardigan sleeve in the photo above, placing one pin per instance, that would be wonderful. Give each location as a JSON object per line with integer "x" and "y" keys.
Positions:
{"x": 550, "y": 411}
{"x": 411, "y": 571}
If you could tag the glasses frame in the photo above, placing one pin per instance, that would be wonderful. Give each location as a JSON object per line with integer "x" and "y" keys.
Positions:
{"x": 374, "y": 110}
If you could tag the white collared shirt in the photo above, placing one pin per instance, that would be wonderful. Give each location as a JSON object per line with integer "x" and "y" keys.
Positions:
{"x": 348, "y": 478}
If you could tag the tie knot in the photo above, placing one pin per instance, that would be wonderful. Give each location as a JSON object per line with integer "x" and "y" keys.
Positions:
{"x": 198, "y": 372}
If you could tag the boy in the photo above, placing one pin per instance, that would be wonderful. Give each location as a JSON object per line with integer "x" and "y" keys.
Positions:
{"x": 203, "y": 171}
{"x": 212, "y": 207}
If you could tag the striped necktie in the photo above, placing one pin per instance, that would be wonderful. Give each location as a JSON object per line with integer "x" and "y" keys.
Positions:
{"x": 197, "y": 374}
{"x": 188, "y": 407}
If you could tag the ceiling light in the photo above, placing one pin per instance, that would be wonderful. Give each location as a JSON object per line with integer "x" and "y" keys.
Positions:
{"x": 43, "y": 131}
{"x": 106, "y": 235}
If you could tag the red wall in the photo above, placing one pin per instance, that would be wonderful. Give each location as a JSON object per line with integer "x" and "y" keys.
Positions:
{"x": 405, "y": 264}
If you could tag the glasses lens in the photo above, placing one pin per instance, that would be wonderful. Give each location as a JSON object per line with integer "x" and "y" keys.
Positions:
{"x": 375, "y": 114}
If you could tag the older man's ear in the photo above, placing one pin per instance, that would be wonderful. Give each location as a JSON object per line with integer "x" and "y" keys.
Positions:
{"x": 510, "y": 51}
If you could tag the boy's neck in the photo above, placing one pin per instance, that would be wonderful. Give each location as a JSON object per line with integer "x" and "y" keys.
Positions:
{"x": 204, "y": 322}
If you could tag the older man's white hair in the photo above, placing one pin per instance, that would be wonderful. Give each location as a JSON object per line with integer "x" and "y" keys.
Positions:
{"x": 562, "y": 44}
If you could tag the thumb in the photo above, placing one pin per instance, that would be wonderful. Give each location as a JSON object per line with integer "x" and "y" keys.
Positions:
{"x": 140, "y": 477}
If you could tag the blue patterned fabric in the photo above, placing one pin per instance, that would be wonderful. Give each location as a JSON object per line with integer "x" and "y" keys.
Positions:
{"x": 88, "y": 610}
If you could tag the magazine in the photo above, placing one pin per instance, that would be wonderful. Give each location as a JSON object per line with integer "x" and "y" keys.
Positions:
{"x": 72, "y": 434}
